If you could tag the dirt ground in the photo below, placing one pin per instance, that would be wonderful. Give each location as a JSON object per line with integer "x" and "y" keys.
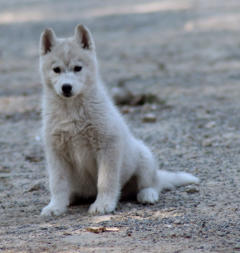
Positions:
{"x": 185, "y": 52}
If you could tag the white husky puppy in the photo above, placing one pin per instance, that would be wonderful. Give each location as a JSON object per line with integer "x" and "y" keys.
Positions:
{"x": 90, "y": 150}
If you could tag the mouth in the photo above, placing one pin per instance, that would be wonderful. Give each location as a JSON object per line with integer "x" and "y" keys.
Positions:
{"x": 67, "y": 95}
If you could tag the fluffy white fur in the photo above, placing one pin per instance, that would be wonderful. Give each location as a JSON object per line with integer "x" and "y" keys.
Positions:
{"x": 89, "y": 148}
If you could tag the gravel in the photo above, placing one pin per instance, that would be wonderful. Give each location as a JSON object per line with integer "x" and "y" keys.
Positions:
{"x": 185, "y": 53}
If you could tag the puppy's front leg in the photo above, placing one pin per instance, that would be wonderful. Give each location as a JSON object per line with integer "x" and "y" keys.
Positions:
{"x": 108, "y": 183}
{"x": 58, "y": 170}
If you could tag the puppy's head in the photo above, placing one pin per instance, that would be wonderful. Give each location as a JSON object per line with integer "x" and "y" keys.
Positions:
{"x": 68, "y": 66}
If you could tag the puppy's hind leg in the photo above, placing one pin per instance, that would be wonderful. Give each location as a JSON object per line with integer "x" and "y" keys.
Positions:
{"x": 147, "y": 176}
{"x": 151, "y": 180}
{"x": 59, "y": 183}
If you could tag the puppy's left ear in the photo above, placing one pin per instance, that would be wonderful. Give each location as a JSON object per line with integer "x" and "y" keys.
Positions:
{"x": 84, "y": 37}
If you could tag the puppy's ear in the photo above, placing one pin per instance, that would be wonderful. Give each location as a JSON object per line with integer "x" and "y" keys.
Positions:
{"x": 84, "y": 37}
{"x": 47, "y": 41}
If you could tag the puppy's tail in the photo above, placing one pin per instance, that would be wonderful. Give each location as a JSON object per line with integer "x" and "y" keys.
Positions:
{"x": 169, "y": 180}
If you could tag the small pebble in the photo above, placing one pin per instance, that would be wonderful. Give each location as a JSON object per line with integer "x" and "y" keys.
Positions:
{"x": 178, "y": 222}
{"x": 149, "y": 117}
{"x": 207, "y": 142}
{"x": 36, "y": 187}
{"x": 191, "y": 189}
{"x": 210, "y": 124}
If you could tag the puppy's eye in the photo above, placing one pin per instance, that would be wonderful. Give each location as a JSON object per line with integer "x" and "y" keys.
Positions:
{"x": 77, "y": 68}
{"x": 57, "y": 70}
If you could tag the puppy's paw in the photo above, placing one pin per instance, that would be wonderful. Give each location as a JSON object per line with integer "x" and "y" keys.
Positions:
{"x": 51, "y": 210}
{"x": 147, "y": 195}
{"x": 102, "y": 207}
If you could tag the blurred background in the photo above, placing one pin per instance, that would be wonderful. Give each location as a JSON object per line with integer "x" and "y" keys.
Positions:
{"x": 157, "y": 45}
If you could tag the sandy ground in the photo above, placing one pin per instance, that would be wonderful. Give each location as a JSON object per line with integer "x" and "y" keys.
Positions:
{"x": 185, "y": 52}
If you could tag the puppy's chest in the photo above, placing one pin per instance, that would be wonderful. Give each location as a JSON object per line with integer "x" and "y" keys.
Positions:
{"x": 76, "y": 135}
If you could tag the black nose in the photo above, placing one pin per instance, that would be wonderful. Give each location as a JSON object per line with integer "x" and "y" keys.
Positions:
{"x": 67, "y": 89}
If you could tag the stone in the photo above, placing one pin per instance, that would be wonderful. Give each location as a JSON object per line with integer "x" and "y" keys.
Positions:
{"x": 149, "y": 118}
